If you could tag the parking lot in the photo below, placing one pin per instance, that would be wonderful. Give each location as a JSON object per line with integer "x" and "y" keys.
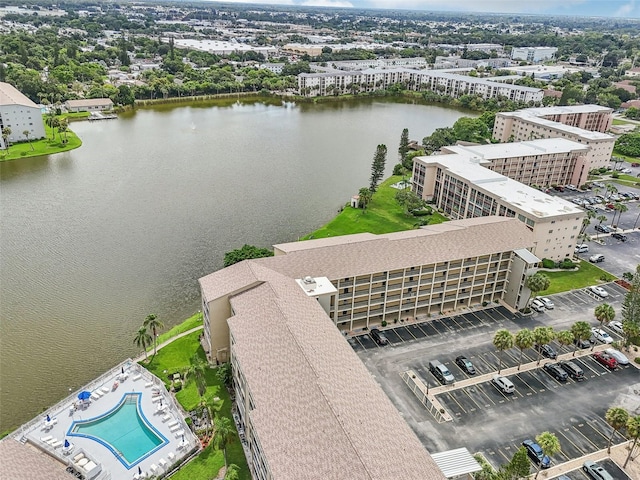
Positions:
{"x": 619, "y": 257}
{"x": 608, "y": 464}
{"x": 486, "y": 420}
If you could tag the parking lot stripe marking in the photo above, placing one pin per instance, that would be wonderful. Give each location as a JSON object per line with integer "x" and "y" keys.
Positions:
{"x": 571, "y": 442}
{"x": 587, "y": 438}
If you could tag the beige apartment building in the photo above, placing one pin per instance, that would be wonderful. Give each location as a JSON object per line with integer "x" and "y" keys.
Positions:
{"x": 584, "y": 124}
{"x": 553, "y": 161}
{"x": 19, "y": 114}
{"x": 307, "y": 406}
{"x": 462, "y": 187}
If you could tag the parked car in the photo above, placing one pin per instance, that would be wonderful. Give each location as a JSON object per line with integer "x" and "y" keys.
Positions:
{"x": 596, "y": 258}
{"x": 600, "y": 335}
{"x": 603, "y": 228}
{"x": 546, "y": 350}
{"x": 548, "y": 304}
{"x": 378, "y": 337}
{"x": 606, "y": 360}
{"x": 599, "y": 291}
{"x": 537, "y": 305}
{"x": 535, "y": 453}
{"x": 556, "y": 372}
{"x": 582, "y": 248}
{"x": 616, "y": 326}
{"x": 504, "y": 384}
{"x": 635, "y": 164}
{"x": 598, "y": 184}
{"x": 572, "y": 369}
{"x": 465, "y": 365}
{"x": 596, "y": 471}
{"x": 582, "y": 343}
{"x": 619, "y": 236}
{"x": 441, "y": 372}
{"x": 625, "y": 170}
{"x": 620, "y": 357}
{"x": 571, "y": 187}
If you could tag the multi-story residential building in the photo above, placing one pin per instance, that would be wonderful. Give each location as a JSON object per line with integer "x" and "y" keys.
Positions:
{"x": 454, "y": 85}
{"x": 307, "y": 405}
{"x": 462, "y": 187}
{"x": 583, "y": 124}
{"x": 89, "y": 105}
{"x": 19, "y": 114}
{"x": 553, "y": 161}
{"x": 533, "y": 54}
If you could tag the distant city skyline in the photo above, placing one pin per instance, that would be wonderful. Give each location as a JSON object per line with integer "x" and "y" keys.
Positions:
{"x": 588, "y": 8}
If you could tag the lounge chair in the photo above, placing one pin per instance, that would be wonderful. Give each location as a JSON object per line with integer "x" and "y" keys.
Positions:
{"x": 167, "y": 417}
{"x": 105, "y": 389}
{"x": 95, "y": 396}
{"x": 52, "y": 440}
{"x": 163, "y": 463}
{"x": 46, "y": 439}
{"x": 99, "y": 393}
{"x": 172, "y": 423}
{"x": 175, "y": 427}
{"x": 78, "y": 457}
{"x": 157, "y": 399}
{"x": 171, "y": 456}
{"x": 148, "y": 384}
{"x": 154, "y": 468}
{"x": 136, "y": 377}
{"x": 56, "y": 444}
{"x": 68, "y": 450}
{"x": 179, "y": 433}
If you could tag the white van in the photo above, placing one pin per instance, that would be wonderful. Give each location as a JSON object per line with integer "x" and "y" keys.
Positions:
{"x": 582, "y": 248}
{"x": 504, "y": 384}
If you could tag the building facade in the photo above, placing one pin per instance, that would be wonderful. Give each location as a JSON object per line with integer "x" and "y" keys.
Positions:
{"x": 89, "y": 105}
{"x": 445, "y": 83}
{"x": 533, "y": 54}
{"x": 19, "y": 114}
{"x": 461, "y": 186}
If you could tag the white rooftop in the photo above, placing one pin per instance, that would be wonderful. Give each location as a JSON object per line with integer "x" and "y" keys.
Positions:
{"x": 542, "y": 111}
{"x": 545, "y": 146}
{"x": 531, "y": 118}
{"x": 316, "y": 286}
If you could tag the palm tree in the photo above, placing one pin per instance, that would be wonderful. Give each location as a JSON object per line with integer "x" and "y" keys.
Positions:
{"x": 542, "y": 335}
{"x": 604, "y": 313}
{"x": 617, "y": 418}
{"x": 26, "y": 134}
{"x": 600, "y": 218}
{"x": 581, "y": 331}
{"x": 620, "y": 208}
{"x": 224, "y": 435}
{"x": 633, "y": 432}
{"x": 503, "y": 340}
{"x": 586, "y": 221}
{"x": 564, "y": 338}
{"x": 6, "y": 133}
{"x": 153, "y": 323}
{"x": 635, "y": 224}
{"x": 365, "y": 197}
{"x": 232, "y": 473}
{"x": 538, "y": 282}
{"x": 523, "y": 340}
{"x": 197, "y": 371}
{"x": 610, "y": 190}
{"x": 212, "y": 405}
{"x": 142, "y": 340}
{"x": 549, "y": 444}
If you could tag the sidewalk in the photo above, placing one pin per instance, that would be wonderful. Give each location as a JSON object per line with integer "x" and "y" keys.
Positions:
{"x": 141, "y": 357}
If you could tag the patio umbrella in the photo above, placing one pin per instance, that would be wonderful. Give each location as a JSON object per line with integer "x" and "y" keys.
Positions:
{"x": 122, "y": 370}
{"x": 182, "y": 438}
{"x": 66, "y": 443}
{"x": 139, "y": 470}
{"x": 48, "y": 418}
{"x": 84, "y": 395}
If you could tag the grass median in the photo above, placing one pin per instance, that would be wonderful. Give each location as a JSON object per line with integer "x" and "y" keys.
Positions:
{"x": 586, "y": 275}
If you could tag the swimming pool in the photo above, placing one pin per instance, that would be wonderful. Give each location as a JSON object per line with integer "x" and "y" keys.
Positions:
{"x": 124, "y": 430}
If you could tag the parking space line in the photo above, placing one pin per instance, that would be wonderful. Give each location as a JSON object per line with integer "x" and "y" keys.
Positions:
{"x": 596, "y": 447}
{"x": 477, "y": 407}
{"x": 570, "y": 441}
{"x": 526, "y": 383}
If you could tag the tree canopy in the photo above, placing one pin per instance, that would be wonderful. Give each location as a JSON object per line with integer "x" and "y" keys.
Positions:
{"x": 244, "y": 253}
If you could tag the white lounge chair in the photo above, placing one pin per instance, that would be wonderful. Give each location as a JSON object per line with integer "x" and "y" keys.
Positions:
{"x": 52, "y": 440}
{"x": 171, "y": 456}
{"x": 175, "y": 427}
{"x": 157, "y": 399}
{"x": 163, "y": 463}
{"x": 99, "y": 393}
{"x": 105, "y": 389}
{"x": 154, "y": 468}
{"x": 179, "y": 433}
{"x": 46, "y": 439}
{"x": 172, "y": 423}
{"x": 167, "y": 417}
{"x": 95, "y": 396}
{"x": 148, "y": 384}
{"x": 78, "y": 457}
{"x": 56, "y": 444}
{"x": 136, "y": 377}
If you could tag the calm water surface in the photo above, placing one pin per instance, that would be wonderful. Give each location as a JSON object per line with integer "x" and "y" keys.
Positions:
{"x": 93, "y": 240}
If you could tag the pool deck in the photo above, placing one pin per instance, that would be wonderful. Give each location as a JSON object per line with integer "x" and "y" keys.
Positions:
{"x": 102, "y": 463}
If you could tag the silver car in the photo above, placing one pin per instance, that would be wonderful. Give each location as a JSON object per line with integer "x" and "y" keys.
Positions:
{"x": 618, "y": 355}
{"x": 616, "y": 326}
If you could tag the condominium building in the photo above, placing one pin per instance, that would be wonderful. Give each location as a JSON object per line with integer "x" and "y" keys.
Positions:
{"x": 545, "y": 162}
{"x": 584, "y": 124}
{"x": 19, "y": 114}
{"x": 460, "y": 185}
{"x": 445, "y": 83}
{"x": 307, "y": 405}
{"x": 533, "y": 54}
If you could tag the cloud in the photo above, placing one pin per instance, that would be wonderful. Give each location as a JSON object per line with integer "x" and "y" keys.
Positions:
{"x": 327, "y": 3}
{"x": 262, "y": 2}
{"x": 626, "y": 9}
{"x": 499, "y": 6}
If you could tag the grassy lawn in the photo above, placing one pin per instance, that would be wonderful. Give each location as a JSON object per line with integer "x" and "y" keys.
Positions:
{"x": 566, "y": 280}
{"x": 618, "y": 121}
{"x": 45, "y": 146}
{"x": 175, "y": 357}
{"x": 192, "y": 322}
{"x": 383, "y": 215}
{"x": 626, "y": 157}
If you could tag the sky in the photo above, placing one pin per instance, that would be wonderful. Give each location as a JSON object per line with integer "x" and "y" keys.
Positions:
{"x": 598, "y": 8}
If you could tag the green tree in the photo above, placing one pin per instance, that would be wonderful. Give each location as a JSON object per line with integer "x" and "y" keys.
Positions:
{"x": 403, "y": 148}
{"x": 630, "y": 330}
{"x": 196, "y": 371}
{"x": 244, "y": 253}
{"x": 470, "y": 129}
{"x": 26, "y": 134}
{"x": 581, "y": 330}
{"x": 633, "y": 432}
{"x": 377, "y": 167}
{"x": 600, "y": 218}
{"x": 542, "y": 335}
{"x": 409, "y": 200}
{"x": 142, "y": 340}
{"x": 628, "y": 144}
{"x": 631, "y": 302}
{"x": 365, "y": 198}
{"x": 154, "y": 324}
{"x": 537, "y": 283}
{"x": 523, "y": 340}
{"x": 604, "y": 313}
{"x": 224, "y": 435}
{"x": 6, "y": 133}
{"x": 502, "y": 340}
{"x": 619, "y": 209}
{"x": 564, "y": 338}
{"x": 518, "y": 467}
{"x": 233, "y": 472}
{"x": 549, "y": 444}
{"x": 225, "y": 374}
{"x": 617, "y": 418}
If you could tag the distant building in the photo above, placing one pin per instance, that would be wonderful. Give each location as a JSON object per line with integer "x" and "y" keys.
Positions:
{"x": 533, "y": 54}
{"x": 19, "y": 114}
{"x": 219, "y": 47}
{"x": 89, "y": 105}
{"x": 272, "y": 67}
{"x": 633, "y": 72}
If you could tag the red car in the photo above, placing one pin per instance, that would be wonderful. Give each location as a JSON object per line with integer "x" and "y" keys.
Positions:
{"x": 606, "y": 360}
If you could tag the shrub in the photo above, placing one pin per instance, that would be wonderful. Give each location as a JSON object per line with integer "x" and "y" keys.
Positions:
{"x": 485, "y": 303}
{"x": 398, "y": 169}
{"x": 615, "y": 175}
{"x": 548, "y": 263}
{"x": 177, "y": 386}
{"x": 384, "y": 323}
{"x": 567, "y": 264}
{"x": 422, "y": 212}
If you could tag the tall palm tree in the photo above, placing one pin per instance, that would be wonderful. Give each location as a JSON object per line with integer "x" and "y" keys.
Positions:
{"x": 213, "y": 405}
{"x": 604, "y": 313}
{"x": 620, "y": 208}
{"x": 581, "y": 330}
{"x": 196, "y": 371}
{"x": 503, "y": 340}
{"x": 6, "y": 133}
{"x": 142, "y": 340}
{"x": 616, "y": 417}
{"x": 523, "y": 340}
{"x": 224, "y": 435}
{"x": 611, "y": 189}
{"x": 542, "y": 335}
{"x": 600, "y": 218}
{"x": 365, "y": 198}
{"x": 564, "y": 338}
{"x": 633, "y": 432}
{"x": 154, "y": 324}
{"x": 549, "y": 444}
{"x": 26, "y": 134}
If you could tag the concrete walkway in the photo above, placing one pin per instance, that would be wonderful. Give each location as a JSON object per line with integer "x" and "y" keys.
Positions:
{"x": 141, "y": 357}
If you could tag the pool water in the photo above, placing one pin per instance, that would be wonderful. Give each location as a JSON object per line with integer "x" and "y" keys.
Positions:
{"x": 123, "y": 430}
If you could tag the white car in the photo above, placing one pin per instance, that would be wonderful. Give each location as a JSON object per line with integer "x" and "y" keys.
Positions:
{"x": 601, "y": 335}
{"x": 618, "y": 355}
{"x": 548, "y": 304}
{"x": 537, "y": 305}
{"x": 601, "y": 292}
{"x": 616, "y": 326}
{"x": 625, "y": 170}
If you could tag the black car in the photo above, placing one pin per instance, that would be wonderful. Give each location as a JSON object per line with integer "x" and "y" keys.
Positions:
{"x": 573, "y": 370}
{"x": 619, "y": 236}
{"x": 556, "y": 372}
{"x": 465, "y": 365}
{"x": 602, "y": 228}
{"x": 582, "y": 344}
{"x": 535, "y": 453}
{"x": 378, "y": 337}
{"x": 546, "y": 350}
